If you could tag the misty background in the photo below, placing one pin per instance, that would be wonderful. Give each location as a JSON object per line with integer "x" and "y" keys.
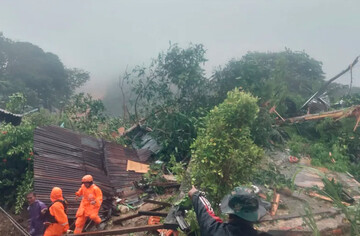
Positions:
{"x": 106, "y": 37}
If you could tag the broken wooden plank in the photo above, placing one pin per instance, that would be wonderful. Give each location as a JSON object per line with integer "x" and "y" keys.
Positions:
{"x": 170, "y": 178}
{"x": 125, "y": 230}
{"x": 336, "y": 114}
{"x": 275, "y": 204}
{"x": 273, "y": 109}
{"x": 118, "y": 221}
{"x": 153, "y": 213}
{"x": 313, "y": 194}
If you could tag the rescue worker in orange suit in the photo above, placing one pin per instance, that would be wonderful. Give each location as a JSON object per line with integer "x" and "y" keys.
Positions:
{"x": 58, "y": 224}
{"x": 90, "y": 203}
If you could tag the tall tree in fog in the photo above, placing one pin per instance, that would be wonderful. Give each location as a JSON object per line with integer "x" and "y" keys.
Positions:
{"x": 171, "y": 94}
{"x": 39, "y": 75}
{"x": 286, "y": 79}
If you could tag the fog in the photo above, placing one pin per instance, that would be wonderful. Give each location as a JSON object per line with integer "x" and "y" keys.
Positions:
{"x": 104, "y": 37}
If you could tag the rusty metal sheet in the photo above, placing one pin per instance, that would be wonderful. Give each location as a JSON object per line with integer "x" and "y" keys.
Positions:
{"x": 63, "y": 157}
{"x": 116, "y": 158}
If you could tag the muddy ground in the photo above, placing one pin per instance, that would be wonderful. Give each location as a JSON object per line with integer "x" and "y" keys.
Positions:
{"x": 7, "y": 228}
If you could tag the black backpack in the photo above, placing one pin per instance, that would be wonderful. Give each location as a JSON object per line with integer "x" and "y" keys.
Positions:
{"x": 50, "y": 218}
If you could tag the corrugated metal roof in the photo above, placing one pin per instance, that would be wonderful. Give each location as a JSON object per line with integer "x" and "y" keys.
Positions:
{"x": 116, "y": 158}
{"x": 63, "y": 157}
{"x": 15, "y": 119}
{"x": 8, "y": 117}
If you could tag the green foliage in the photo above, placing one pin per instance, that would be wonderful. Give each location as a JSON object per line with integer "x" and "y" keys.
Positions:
{"x": 174, "y": 78}
{"x": 153, "y": 176}
{"x": 286, "y": 79}
{"x": 333, "y": 157}
{"x": 39, "y": 75}
{"x": 75, "y": 79}
{"x": 174, "y": 131}
{"x": 333, "y": 191}
{"x": 298, "y": 146}
{"x": 354, "y": 169}
{"x": 351, "y": 213}
{"x": 271, "y": 178}
{"x": 329, "y": 143}
{"x": 322, "y": 153}
{"x": 329, "y": 130}
{"x": 190, "y": 217}
{"x": 310, "y": 221}
{"x": 16, "y": 151}
{"x": 25, "y": 187}
{"x": 171, "y": 94}
{"x": 85, "y": 113}
{"x": 333, "y": 188}
{"x": 16, "y": 103}
{"x": 223, "y": 154}
{"x": 350, "y": 100}
{"x": 264, "y": 131}
{"x": 178, "y": 169}
{"x": 192, "y": 220}
{"x": 16, "y": 143}
{"x": 44, "y": 117}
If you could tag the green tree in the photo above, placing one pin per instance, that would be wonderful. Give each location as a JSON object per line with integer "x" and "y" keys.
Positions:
{"x": 75, "y": 79}
{"x": 285, "y": 79}
{"x": 16, "y": 143}
{"x": 223, "y": 154}
{"x": 39, "y": 75}
{"x": 16, "y": 103}
{"x": 85, "y": 114}
{"x": 170, "y": 95}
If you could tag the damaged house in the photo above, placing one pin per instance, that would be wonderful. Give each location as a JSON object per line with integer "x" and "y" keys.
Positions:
{"x": 63, "y": 157}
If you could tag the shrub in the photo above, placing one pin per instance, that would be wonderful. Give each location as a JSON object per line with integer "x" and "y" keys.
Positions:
{"x": 16, "y": 144}
{"x": 298, "y": 145}
{"x": 333, "y": 157}
{"x": 223, "y": 154}
{"x": 262, "y": 129}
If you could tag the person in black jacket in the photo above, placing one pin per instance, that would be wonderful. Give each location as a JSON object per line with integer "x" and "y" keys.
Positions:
{"x": 243, "y": 207}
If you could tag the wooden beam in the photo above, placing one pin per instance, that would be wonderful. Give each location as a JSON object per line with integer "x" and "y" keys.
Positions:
{"x": 325, "y": 198}
{"x": 153, "y": 213}
{"x": 124, "y": 230}
{"x": 118, "y": 221}
{"x": 336, "y": 114}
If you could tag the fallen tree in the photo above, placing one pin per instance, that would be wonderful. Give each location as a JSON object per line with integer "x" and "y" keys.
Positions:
{"x": 336, "y": 114}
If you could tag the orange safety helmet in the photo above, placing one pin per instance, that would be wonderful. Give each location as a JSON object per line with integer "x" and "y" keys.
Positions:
{"x": 87, "y": 179}
{"x": 56, "y": 194}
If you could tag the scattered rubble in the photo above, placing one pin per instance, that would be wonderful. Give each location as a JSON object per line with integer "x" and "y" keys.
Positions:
{"x": 62, "y": 157}
{"x": 288, "y": 219}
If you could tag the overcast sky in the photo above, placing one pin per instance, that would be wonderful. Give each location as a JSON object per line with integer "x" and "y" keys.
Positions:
{"x": 104, "y": 36}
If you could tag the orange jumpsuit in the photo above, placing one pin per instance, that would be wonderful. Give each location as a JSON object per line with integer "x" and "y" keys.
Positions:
{"x": 89, "y": 206}
{"x": 57, "y": 210}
